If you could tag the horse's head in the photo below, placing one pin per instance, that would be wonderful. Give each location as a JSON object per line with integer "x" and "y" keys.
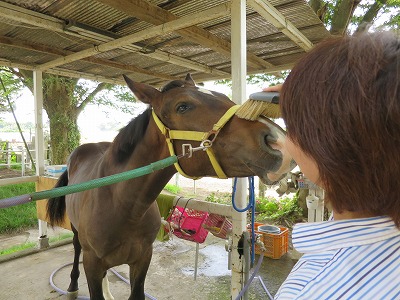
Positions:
{"x": 187, "y": 114}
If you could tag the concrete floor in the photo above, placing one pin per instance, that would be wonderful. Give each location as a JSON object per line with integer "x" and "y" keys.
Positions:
{"x": 170, "y": 274}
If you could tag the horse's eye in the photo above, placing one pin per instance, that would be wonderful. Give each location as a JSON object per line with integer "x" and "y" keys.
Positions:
{"x": 181, "y": 108}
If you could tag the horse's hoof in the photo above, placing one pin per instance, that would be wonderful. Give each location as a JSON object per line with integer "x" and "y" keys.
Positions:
{"x": 72, "y": 295}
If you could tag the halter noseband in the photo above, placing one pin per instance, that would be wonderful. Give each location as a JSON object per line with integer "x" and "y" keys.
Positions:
{"x": 206, "y": 139}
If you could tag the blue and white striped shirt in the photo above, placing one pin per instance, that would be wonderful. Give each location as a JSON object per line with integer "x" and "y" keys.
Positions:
{"x": 345, "y": 259}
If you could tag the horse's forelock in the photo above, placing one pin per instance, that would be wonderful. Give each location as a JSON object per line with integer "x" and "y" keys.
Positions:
{"x": 129, "y": 136}
{"x": 173, "y": 84}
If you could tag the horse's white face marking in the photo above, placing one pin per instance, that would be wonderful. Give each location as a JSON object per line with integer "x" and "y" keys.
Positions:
{"x": 205, "y": 91}
{"x": 279, "y": 144}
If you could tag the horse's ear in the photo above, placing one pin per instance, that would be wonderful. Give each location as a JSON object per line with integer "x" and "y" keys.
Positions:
{"x": 143, "y": 92}
{"x": 189, "y": 79}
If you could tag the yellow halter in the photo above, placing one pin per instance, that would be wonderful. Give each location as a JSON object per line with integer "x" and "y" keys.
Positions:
{"x": 206, "y": 139}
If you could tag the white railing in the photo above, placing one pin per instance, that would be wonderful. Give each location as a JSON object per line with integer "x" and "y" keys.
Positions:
{"x": 22, "y": 159}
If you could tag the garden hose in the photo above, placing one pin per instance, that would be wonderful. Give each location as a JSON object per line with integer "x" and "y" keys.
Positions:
{"x": 91, "y": 184}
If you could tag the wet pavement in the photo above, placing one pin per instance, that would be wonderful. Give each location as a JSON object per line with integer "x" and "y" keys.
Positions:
{"x": 170, "y": 276}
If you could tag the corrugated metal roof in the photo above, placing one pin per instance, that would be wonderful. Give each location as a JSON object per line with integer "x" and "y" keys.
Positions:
{"x": 44, "y": 30}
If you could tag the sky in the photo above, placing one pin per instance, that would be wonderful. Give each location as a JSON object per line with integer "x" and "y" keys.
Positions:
{"x": 94, "y": 117}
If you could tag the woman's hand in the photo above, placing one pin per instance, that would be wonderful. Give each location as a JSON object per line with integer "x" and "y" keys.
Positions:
{"x": 275, "y": 88}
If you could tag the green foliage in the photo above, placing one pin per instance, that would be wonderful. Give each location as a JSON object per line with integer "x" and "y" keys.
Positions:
{"x": 10, "y": 88}
{"x": 267, "y": 79}
{"x": 118, "y": 97}
{"x": 261, "y": 80}
{"x": 221, "y": 198}
{"x": 21, "y": 216}
{"x": 278, "y": 210}
{"x": 172, "y": 188}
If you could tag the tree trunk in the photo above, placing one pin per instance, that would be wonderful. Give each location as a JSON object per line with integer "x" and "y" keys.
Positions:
{"x": 64, "y": 136}
{"x": 63, "y": 100}
{"x": 61, "y": 107}
{"x": 262, "y": 188}
{"x": 370, "y": 15}
{"x": 344, "y": 10}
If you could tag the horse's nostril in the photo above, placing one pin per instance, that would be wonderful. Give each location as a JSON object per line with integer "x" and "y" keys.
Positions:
{"x": 269, "y": 139}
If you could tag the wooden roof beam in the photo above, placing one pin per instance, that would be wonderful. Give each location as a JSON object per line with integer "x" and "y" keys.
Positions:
{"x": 98, "y": 61}
{"x": 63, "y": 72}
{"x": 270, "y": 13}
{"x": 89, "y": 33}
{"x": 19, "y": 14}
{"x": 189, "y": 20}
{"x": 155, "y": 15}
{"x": 201, "y": 78}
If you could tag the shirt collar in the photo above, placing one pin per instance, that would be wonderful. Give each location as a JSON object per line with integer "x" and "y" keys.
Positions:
{"x": 330, "y": 235}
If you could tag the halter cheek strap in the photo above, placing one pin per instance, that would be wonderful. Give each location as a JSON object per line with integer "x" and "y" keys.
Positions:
{"x": 206, "y": 139}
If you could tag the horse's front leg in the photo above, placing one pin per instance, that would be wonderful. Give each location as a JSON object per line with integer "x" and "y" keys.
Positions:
{"x": 73, "y": 286}
{"x": 137, "y": 274}
{"x": 95, "y": 273}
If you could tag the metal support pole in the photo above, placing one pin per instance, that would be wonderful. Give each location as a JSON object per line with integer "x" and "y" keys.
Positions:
{"x": 238, "y": 58}
{"x": 196, "y": 261}
{"x": 23, "y": 161}
{"x": 39, "y": 145}
{"x": 319, "y": 213}
{"x": 247, "y": 260}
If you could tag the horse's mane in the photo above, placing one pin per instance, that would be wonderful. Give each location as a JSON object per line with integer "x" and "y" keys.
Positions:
{"x": 129, "y": 136}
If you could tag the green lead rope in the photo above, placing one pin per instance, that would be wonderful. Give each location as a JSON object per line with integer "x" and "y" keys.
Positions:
{"x": 95, "y": 183}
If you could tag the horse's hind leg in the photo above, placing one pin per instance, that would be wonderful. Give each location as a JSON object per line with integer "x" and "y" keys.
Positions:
{"x": 137, "y": 274}
{"x": 73, "y": 286}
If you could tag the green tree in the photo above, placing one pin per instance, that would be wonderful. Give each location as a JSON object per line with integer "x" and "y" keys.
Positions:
{"x": 64, "y": 99}
{"x": 14, "y": 87}
{"x": 349, "y": 16}
{"x": 343, "y": 17}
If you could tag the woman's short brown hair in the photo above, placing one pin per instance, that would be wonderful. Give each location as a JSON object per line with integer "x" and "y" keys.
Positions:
{"x": 341, "y": 105}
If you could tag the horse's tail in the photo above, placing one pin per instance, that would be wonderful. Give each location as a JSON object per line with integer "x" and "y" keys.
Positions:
{"x": 56, "y": 206}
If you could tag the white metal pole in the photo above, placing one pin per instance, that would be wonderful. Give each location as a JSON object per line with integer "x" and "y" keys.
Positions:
{"x": 320, "y": 193}
{"x": 39, "y": 138}
{"x": 23, "y": 161}
{"x": 238, "y": 58}
{"x": 8, "y": 155}
{"x": 39, "y": 144}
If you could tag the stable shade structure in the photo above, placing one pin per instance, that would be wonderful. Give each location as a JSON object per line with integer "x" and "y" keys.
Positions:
{"x": 152, "y": 41}
{"x": 155, "y": 41}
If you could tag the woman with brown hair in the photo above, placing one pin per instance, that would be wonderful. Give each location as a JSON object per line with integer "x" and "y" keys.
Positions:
{"x": 341, "y": 106}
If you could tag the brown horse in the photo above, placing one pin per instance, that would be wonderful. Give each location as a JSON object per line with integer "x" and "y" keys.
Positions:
{"x": 117, "y": 224}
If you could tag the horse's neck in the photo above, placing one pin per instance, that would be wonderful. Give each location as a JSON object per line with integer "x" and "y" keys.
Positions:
{"x": 145, "y": 189}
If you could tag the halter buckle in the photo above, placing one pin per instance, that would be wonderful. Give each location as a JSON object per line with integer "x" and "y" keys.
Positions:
{"x": 187, "y": 149}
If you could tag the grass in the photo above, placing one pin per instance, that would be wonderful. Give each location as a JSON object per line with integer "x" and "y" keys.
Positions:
{"x": 17, "y": 218}
{"x": 61, "y": 237}
{"x": 17, "y": 248}
{"x": 30, "y": 245}
{"x": 174, "y": 189}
